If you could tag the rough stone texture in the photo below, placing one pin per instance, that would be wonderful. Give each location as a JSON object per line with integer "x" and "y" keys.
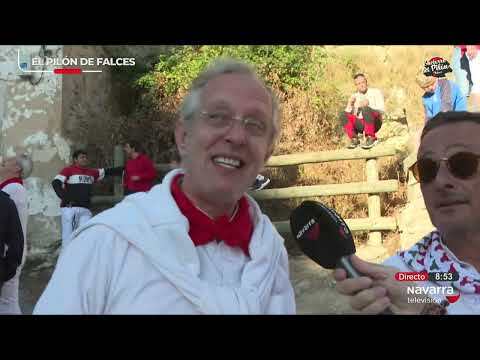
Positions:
{"x": 30, "y": 121}
{"x": 94, "y": 104}
{"x": 89, "y": 105}
{"x": 49, "y": 120}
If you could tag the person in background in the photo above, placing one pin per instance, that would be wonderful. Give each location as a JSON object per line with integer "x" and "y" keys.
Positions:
{"x": 472, "y": 53}
{"x": 11, "y": 251}
{"x": 140, "y": 172}
{"x": 363, "y": 113}
{"x": 461, "y": 70}
{"x": 440, "y": 95}
{"x": 74, "y": 185}
{"x": 13, "y": 170}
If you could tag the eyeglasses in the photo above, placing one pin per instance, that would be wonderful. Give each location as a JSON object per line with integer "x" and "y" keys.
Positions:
{"x": 223, "y": 120}
{"x": 462, "y": 165}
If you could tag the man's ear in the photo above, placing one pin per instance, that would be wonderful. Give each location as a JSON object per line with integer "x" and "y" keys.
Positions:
{"x": 181, "y": 134}
{"x": 269, "y": 152}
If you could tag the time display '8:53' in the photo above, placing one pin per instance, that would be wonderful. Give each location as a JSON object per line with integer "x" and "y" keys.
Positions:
{"x": 443, "y": 276}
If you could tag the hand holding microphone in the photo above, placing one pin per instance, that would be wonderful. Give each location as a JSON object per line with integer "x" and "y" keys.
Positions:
{"x": 326, "y": 239}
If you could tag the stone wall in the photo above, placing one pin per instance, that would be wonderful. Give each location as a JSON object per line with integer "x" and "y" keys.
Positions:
{"x": 31, "y": 121}
{"x": 48, "y": 117}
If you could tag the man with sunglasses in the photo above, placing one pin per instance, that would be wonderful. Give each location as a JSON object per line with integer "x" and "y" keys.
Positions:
{"x": 449, "y": 175}
{"x": 196, "y": 243}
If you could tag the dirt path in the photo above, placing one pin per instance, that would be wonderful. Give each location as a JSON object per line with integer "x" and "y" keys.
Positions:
{"x": 315, "y": 288}
{"x": 33, "y": 281}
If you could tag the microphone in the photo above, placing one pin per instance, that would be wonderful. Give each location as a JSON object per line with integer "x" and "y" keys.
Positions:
{"x": 324, "y": 237}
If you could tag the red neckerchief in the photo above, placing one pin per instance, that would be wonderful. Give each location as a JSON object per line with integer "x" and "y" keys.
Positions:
{"x": 11, "y": 181}
{"x": 203, "y": 229}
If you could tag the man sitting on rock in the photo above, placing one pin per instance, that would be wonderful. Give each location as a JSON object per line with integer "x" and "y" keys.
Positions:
{"x": 363, "y": 113}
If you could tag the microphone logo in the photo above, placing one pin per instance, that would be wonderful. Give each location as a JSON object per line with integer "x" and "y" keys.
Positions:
{"x": 313, "y": 233}
{"x": 305, "y": 228}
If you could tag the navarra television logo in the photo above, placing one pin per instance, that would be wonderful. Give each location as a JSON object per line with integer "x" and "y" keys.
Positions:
{"x": 427, "y": 294}
{"x": 433, "y": 292}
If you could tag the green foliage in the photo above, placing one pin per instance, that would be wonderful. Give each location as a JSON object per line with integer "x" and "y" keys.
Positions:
{"x": 284, "y": 67}
{"x": 129, "y": 74}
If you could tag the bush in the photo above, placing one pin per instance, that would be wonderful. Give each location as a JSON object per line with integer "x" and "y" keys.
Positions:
{"x": 284, "y": 67}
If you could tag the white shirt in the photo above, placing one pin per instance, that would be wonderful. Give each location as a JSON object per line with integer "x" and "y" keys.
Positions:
{"x": 375, "y": 101}
{"x": 137, "y": 258}
{"x": 84, "y": 282}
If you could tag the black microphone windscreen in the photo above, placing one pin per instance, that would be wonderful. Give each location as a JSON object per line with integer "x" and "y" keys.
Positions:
{"x": 321, "y": 233}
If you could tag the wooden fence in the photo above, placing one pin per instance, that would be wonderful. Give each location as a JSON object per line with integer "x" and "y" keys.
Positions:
{"x": 374, "y": 224}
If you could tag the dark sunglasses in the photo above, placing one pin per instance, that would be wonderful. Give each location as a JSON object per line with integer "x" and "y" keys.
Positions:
{"x": 462, "y": 165}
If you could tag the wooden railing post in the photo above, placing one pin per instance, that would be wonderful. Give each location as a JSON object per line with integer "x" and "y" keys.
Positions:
{"x": 118, "y": 160}
{"x": 374, "y": 211}
{"x": 374, "y": 223}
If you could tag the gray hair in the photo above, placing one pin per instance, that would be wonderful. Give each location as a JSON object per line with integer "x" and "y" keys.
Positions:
{"x": 191, "y": 102}
{"x": 25, "y": 164}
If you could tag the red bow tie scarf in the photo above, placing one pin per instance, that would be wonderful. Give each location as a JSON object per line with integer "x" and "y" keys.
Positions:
{"x": 234, "y": 232}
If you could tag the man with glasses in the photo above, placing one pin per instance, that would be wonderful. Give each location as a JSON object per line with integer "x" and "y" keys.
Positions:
{"x": 196, "y": 243}
{"x": 449, "y": 175}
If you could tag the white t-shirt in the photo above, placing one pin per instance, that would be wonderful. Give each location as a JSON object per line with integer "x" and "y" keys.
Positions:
{"x": 375, "y": 101}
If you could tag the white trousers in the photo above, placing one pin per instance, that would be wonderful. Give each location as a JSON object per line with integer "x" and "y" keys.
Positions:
{"x": 9, "y": 304}
{"x": 72, "y": 218}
